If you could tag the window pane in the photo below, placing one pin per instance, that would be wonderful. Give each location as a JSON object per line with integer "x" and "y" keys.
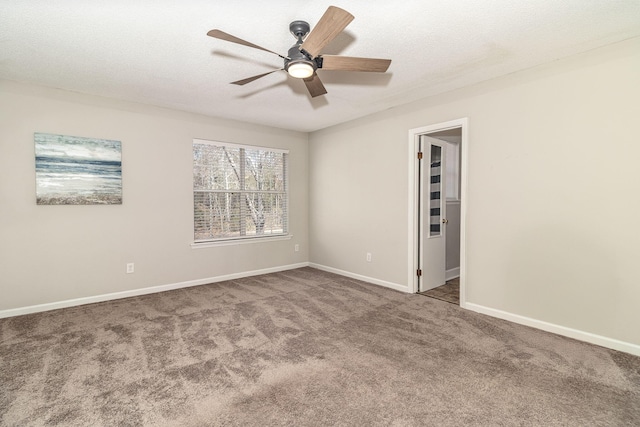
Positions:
{"x": 434, "y": 190}
{"x": 217, "y": 215}
{"x": 266, "y": 214}
{"x": 215, "y": 167}
{"x": 264, "y": 170}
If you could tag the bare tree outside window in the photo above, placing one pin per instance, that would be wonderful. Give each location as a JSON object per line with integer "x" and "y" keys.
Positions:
{"x": 239, "y": 191}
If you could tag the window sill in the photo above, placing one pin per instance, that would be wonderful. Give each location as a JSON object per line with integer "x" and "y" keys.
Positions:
{"x": 230, "y": 242}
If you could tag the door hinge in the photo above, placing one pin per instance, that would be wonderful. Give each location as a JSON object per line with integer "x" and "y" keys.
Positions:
{"x": 419, "y": 155}
{"x": 419, "y": 273}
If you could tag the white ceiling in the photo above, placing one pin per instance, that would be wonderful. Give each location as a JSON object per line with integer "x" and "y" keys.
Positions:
{"x": 157, "y": 51}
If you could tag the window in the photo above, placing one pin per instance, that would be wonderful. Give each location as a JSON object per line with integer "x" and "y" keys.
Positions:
{"x": 239, "y": 192}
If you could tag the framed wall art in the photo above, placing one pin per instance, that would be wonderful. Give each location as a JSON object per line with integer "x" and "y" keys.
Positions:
{"x": 72, "y": 170}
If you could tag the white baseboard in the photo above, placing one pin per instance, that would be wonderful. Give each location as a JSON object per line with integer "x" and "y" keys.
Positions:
{"x": 515, "y": 318}
{"x": 452, "y": 273}
{"x": 557, "y": 329}
{"x": 143, "y": 291}
{"x": 397, "y": 287}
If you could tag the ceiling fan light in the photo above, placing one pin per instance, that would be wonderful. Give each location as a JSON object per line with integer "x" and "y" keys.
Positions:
{"x": 300, "y": 70}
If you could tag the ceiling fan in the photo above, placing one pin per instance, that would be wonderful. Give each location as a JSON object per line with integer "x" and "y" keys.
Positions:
{"x": 304, "y": 57}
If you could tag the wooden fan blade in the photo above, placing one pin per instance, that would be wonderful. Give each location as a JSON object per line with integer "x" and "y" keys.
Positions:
{"x": 328, "y": 27}
{"x": 250, "y": 79}
{"x": 233, "y": 39}
{"x": 350, "y": 63}
{"x": 315, "y": 86}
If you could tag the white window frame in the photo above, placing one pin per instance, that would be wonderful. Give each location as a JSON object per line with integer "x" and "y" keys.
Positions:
{"x": 217, "y": 241}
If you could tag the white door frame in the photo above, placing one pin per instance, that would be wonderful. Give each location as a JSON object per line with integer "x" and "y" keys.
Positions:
{"x": 413, "y": 219}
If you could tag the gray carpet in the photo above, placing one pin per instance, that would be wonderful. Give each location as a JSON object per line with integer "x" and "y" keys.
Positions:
{"x": 303, "y": 348}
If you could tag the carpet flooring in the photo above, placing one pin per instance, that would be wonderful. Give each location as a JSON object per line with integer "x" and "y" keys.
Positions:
{"x": 302, "y": 348}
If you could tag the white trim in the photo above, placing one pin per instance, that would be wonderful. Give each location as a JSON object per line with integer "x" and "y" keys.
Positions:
{"x": 452, "y": 273}
{"x": 464, "y": 179}
{"x": 515, "y": 318}
{"x": 412, "y": 255}
{"x": 413, "y": 263}
{"x": 395, "y": 286}
{"x": 557, "y": 329}
{"x": 239, "y": 241}
{"x": 143, "y": 291}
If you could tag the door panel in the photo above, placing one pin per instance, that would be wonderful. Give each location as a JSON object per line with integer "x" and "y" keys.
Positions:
{"x": 433, "y": 213}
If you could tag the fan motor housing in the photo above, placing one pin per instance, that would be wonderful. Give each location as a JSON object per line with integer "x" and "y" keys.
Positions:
{"x": 296, "y": 56}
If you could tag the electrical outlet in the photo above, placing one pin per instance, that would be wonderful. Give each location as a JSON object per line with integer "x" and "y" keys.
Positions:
{"x": 368, "y": 256}
{"x": 130, "y": 268}
{"x": 296, "y": 247}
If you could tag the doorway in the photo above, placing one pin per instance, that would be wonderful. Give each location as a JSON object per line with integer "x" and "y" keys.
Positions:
{"x": 437, "y": 205}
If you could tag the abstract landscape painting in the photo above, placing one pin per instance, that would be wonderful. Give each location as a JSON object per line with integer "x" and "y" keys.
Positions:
{"x": 72, "y": 170}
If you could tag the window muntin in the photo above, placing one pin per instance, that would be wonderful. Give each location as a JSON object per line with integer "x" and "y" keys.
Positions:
{"x": 240, "y": 192}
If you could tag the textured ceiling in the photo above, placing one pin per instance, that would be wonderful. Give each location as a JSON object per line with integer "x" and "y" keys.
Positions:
{"x": 157, "y": 52}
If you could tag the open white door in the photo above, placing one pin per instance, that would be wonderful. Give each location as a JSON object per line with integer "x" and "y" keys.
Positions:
{"x": 433, "y": 215}
{"x": 427, "y": 251}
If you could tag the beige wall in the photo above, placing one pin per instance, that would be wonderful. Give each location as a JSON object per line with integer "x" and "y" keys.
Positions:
{"x": 552, "y": 231}
{"x": 453, "y": 236}
{"x": 56, "y": 253}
